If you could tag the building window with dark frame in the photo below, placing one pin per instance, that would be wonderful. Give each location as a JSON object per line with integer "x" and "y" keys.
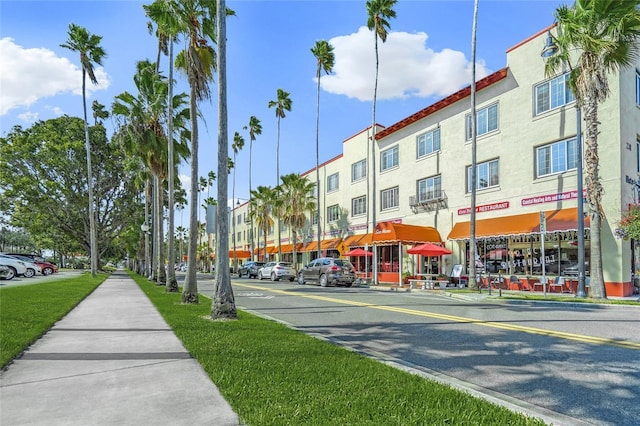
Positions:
{"x": 389, "y": 198}
{"x": 557, "y": 157}
{"x": 553, "y": 94}
{"x": 428, "y": 143}
{"x": 487, "y": 175}
{"x": 429, "y": 189}
{"x": 359, "y": 170}
{"x": 333, "y": 213}
{"x": 333, "y": 182}
{"x": 487, "y": 121}
{"x": 389, "y": 158}
{"x": 359, "y": 206}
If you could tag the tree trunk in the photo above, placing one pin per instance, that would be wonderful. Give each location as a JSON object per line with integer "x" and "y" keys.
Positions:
{"x": 224, "y": 305}
{"x": 172, "y": 282}
{"x": 597, "y": 288}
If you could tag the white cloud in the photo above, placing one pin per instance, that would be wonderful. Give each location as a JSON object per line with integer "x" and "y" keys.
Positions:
{"x": 407, "y": 68}
{"x": 27, "y": 75}
{"x": 29, "y": 117}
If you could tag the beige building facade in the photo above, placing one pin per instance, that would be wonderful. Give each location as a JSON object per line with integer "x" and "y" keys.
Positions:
{"x": 526, "y": 164}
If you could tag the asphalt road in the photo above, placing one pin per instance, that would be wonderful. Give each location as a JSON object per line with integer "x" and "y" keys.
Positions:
{"x": 565, "y": 363}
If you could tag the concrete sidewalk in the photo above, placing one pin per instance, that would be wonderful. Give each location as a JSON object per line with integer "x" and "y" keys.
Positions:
{"x": 112, "y": 360}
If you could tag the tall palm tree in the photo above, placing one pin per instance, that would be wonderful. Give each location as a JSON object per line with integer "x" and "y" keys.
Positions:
{"x": 236, "y": 146}
{"x": 604, "y": 37}
{"x": 474, "y": 120}
{"x": 255, "y": 128}
{"x": 91, "y": 53}
{"x": 281, "y": 104}
{"x": 300, "y": 199}
{"x": 262, "y": 200}
{"x": 378, "y": 14}
{"x": 323, "y": 52}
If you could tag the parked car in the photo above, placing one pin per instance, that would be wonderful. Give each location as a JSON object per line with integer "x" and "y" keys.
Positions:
{"x": 277, "y": 271}
{"x": 250, "y": 269}
{"x": 46, "y": 267}
{"x": 18, "y": 267}
{"x": 328, "y": 270}
{"x": 6, "y": 273}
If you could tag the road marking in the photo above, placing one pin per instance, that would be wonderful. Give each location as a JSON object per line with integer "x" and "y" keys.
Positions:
{"x": 511, "y": 327}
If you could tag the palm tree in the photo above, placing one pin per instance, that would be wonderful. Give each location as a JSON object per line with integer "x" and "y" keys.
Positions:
{"x": 379, "y": 12}
{"x": 261, "y": 209}
{"x": 255, "y": 128}
{"x": 238, "y": 144}
{"x": 281, "y": 104}
{"x": 323, "y": 52}
{"x": 194, "y": 18}
{"x": 604, "y": 36}
{"x": 99, "y": 113}
{"x": 299, "y": 197}
{"x": 88, "y": 45}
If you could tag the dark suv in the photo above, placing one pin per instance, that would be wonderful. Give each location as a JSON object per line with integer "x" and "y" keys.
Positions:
{"x": 328, "y": 270}
{"x": 250, "y": 269}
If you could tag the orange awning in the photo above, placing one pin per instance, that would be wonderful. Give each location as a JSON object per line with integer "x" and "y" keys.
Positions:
{"x": 310, "y": 246}
{"x": 330, "y": 244}
{"x": 520, "y": 224}
{"x": 288, "y": 248}
{"x": 240, "y": 254}
{"x": 389, "y": 232}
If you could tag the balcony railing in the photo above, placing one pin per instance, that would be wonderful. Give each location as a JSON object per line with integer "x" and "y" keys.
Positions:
{"x": 429, "y": 201}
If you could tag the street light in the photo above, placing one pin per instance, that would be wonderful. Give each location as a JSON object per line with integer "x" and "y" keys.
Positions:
{"x": 550, "y": 49}
{"x": 145, "y": 229}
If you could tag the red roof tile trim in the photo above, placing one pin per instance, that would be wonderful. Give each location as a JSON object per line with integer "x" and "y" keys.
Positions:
{"x": 443, "y": 103}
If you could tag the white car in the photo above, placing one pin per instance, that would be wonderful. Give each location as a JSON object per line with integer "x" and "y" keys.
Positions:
{"x": 277, "y": 271}
{"x": 17, "y": 267}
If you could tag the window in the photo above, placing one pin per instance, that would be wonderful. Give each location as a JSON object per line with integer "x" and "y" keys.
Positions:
{"x": 333, "y": 213}
{"x": 429, "y": 189}
{"x": 389, "y": 158}
{"x": 557, "y": 157}
{"x": 487, "y": 120}
{"x": 359, "y": 206}
{"x": 389, "y": 198}
{"x": 553, "y": 94}
{"x": 428, "y": 143}
{"x": 314, "y": 218}
{"x": 638, "y": 87}
{"x": 358, "y": 170}
{"x": 486, "y": 175}
{"x": 332, "y": 182}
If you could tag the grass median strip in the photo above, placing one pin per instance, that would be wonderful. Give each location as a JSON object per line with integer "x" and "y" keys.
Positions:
{"x": 273, "y": 375}
{"x": 27, "y": 312}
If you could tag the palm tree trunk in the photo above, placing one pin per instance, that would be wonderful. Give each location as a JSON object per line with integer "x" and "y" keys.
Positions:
{"x": 251, "y": 245}
{"x": 373, "y": 160}
{"x": 597, "y": 288}
{"x": 172, "y": 282}
{"x": 277, "y": 183}
{"x": 162, "y": 274}
{"x": 472, "y": 224}
{"x": 190, "y": 286}
{"x": 92, "y": 218}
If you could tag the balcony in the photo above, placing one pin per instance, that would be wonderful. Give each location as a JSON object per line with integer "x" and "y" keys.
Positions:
{"x": 429, "y": 201}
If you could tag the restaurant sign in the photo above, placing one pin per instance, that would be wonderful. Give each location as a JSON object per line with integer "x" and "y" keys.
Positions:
{"x": 485, "y": 208}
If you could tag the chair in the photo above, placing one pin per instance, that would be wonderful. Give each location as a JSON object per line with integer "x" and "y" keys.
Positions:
{"x": 520, "y": 285}
{"x": 544, "y": 283}
{"x": 499, "y": 283}
{"x": 557, "y": 285}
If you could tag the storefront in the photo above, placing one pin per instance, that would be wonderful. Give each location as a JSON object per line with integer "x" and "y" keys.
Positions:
{"x": 513, "y": 245}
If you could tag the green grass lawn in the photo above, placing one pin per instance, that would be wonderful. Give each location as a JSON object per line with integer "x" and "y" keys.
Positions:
{"x": 273, "y": 375}
{"x": 28, "y": 311}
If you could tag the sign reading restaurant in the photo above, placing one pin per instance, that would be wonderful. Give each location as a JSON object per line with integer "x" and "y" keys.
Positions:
{"x": 550, "y": 198}
{"x": 485, "y": 208}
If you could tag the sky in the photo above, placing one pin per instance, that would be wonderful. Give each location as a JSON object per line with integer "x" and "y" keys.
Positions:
{"x": 425, "y": 58}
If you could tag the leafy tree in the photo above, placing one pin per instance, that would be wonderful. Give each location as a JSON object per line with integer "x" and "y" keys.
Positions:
{"x": 378, "y": 14}
{"x": 99, "y": 113}
{"x": 88, "y": 45}
{"x": 323, "y": 52}
{"x": 299, "y": 200}
{"x": 255, "y": 128}
{"x": 629, "y": 224}
{"x": 41, "y": 171}
{"x": 281, "y": 104}
{"x": 605, "y": 36}
{"x": 262, "y": 200}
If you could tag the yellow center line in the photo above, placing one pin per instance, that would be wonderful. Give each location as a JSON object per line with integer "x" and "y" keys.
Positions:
{"x": 494, "y": 324}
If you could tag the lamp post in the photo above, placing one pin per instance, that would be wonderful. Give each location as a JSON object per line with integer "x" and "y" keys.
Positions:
{"x": 145, "y": 229}
{"x": 550, "y": 49}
